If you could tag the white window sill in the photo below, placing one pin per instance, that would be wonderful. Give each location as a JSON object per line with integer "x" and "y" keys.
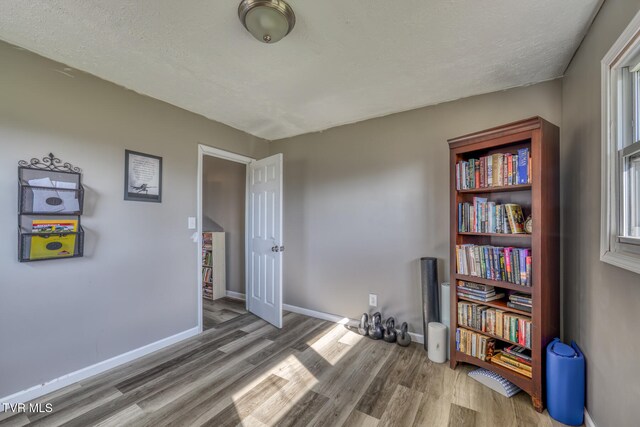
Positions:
{"x": 624, "y": 260}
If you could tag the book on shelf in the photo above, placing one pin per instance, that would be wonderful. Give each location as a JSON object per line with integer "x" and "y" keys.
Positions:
{"x": 474, "y": 344}
{"x": 509, "y": 326}
{"x": 207, "y": 274}
{"x": 483, "y": 216}
{"x": 520, "y": 301}
{"x": 207, "y": 240}
{"x": 520, "y": 298}
{"x": 515, "y": 218}
{"x": 518, "y": 353}
{"x": 471, "y": 290}
{"x": 507, "y": 264}
{"x": 520, "y": 307}
{"x": 207, "y": 259}
{"x": 481, "y": 299}
{"x": 507, "y": 358}
{"x": 498, "y": 359}
{"x": 523, "y": 166}
{"x": 495, "y": 170}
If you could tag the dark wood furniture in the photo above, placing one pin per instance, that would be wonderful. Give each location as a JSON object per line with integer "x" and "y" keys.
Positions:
{"x": 541, "y": 198}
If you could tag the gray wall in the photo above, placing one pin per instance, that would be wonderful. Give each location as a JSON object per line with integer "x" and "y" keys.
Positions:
{"x": 364, "y": 202}
{"x": 223, "y": 199}
{"x": 601, "y": 302}
{"x": 137, "y": 281}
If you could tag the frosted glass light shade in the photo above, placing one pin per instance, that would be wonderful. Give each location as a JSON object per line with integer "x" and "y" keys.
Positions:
{"x": 267, "y": 20}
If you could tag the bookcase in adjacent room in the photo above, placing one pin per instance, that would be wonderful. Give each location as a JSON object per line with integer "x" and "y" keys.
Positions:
{"x": 499, "y": 333}
{"x": 213, "y": 265}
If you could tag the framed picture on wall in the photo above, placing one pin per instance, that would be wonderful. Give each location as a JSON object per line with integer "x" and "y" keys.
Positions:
{"x": 142, "y": 177}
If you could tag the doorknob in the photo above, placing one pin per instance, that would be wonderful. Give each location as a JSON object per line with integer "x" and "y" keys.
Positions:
{"x": 277, "y": 248}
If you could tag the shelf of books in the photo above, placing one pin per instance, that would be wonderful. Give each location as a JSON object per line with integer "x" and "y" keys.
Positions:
{"x": 504, "y": 250}
{"x": 213, "y": 265}
{"x": 207, "y": 264}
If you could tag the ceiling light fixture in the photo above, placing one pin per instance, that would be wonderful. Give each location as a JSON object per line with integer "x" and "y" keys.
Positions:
{"x": 267, "y": 20}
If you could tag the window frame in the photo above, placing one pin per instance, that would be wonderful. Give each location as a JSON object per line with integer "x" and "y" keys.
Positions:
{"x": 616, "y": 248}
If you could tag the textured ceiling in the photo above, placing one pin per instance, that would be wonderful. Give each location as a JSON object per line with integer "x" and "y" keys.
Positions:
{"x": 345, "y": 61}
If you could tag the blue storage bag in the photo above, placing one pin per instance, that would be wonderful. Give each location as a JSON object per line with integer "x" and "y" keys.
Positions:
{"x": 565, "y": 382}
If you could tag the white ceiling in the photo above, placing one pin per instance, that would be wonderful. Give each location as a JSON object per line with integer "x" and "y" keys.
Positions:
{"x": 345, "y": 61}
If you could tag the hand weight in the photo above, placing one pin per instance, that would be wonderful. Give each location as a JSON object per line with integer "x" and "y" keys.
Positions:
{"x": 363, "y": 326}
{"x": 404, "y": 339}
{"x": 376, "y": 331}
{"x": 390, "y": 333}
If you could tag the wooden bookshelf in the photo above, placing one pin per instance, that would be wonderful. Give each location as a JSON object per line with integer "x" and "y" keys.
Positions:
{"x": 542, "y": 197}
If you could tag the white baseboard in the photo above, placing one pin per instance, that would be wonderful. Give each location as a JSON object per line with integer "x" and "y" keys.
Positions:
{"x": 236, "y": 295}
{"x": 320, "y": 315}
{"x": 588, "y": 422}
{"x": 81, "y": 374}
{"x": 419, "y": 338}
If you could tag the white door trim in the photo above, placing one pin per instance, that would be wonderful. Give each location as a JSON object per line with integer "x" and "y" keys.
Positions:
{"x": 205, "y": 150}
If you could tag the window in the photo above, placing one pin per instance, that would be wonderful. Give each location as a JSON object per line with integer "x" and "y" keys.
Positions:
{"x": 620, "y": 228}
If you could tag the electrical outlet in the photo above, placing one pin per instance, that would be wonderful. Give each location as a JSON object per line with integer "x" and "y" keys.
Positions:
{"x": 373, "y": 300}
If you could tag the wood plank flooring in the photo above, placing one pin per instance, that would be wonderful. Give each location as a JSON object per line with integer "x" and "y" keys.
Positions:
{"x": 220, "y": 311}
{"x": 243, "y": 371}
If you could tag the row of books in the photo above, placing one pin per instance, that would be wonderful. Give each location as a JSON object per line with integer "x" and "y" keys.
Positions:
{"x": 474, "y": 344}
{"x": 207, "y": 258}
{"x": 478, "y": 292}
{"x": 483, "y": 216}
{"x": 207, "y": 274}
{"x": 507, "y": 264}
{"x": 207, "y": 291}
{"x": 520, "y": 301}
{"x": 518, "y": 353}
{"x": 514, "y": 358}
{"x": 495, "y": 170}
{"x": 511, "y": 327}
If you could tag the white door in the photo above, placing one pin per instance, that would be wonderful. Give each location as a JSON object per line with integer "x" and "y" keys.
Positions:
{"x": 264, "y": 239}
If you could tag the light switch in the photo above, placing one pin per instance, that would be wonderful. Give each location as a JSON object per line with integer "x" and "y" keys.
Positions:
{"x": 192, "y": 223}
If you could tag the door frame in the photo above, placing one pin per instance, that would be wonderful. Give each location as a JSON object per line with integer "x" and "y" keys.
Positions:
{"x": 205, "y": 150}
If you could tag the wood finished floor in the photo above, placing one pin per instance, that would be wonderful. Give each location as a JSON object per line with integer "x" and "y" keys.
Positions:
{"x": 243, "y": 371}
{"x": 220, "y": 311}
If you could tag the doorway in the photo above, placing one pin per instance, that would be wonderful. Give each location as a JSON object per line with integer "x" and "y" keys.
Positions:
{"x": 240, "y": 237}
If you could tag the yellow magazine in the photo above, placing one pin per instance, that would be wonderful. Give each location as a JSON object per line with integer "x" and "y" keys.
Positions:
{"x": 53, "y": 245}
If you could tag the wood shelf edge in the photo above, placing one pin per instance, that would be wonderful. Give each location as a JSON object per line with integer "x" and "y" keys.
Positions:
{"x": 508, "y": 235}
{"x": 496, "y": 283}
{"x": 478, "y": 331}
{"x": 501, "y": 189}
{"x": 499, "y": 304}
{"x": 525, "y": 383}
